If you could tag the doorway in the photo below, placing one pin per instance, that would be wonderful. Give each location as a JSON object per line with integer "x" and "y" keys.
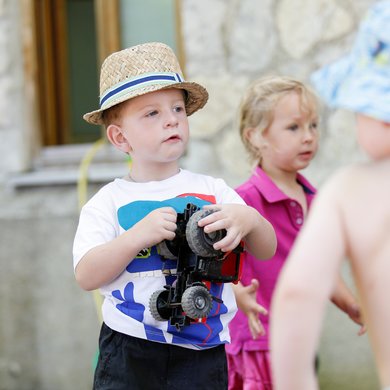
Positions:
{"x": 68, "y": 54}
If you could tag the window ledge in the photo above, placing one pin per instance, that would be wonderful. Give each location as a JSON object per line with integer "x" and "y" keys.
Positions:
{"x": 97, "y": 173}
{"x": 61, "y": 166}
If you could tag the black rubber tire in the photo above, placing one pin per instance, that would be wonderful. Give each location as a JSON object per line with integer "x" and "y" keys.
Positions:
{"x": 166, "y": 250}
{"x": 158, "y": 305}
{"x": 200, "y": 242}
{"x": 196, "y": 302}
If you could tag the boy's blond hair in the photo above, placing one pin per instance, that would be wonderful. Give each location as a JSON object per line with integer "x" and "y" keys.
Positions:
{"x": 259, "y": 101}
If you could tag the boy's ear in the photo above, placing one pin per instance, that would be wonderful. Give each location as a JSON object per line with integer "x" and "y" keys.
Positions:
{"x": 116, "y": 137}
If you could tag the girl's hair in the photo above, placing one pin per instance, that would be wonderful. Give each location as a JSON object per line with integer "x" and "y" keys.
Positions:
{"x": 259, "y": 101}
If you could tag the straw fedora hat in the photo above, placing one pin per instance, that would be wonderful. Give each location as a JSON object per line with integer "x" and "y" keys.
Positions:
{"x": 141, "y": 69}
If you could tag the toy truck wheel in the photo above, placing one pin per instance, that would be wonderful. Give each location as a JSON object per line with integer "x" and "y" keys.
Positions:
{"x": 200, "y": 242}
{"x": 196, "y": 302}
{"x": 166, "y": 250}
{"x": 158, "y": 305}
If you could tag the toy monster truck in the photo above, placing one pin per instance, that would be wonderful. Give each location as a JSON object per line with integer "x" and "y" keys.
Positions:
{"x": 188, "y": 299}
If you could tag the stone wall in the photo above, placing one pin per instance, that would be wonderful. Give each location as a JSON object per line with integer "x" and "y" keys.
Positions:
{"x": 48, "y": 327}
{"x": 230, "y": 43}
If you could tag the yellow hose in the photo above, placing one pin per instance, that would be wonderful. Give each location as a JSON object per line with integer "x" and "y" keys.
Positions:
{"x": 82, "y": 184}
{"x": 82, "y": 191}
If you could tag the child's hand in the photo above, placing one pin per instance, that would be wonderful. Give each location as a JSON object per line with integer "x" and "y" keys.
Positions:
{"x": 354, "y": 313}
{"x": 230, "y": 217}
{"x": 345, "y": 300}
{"x": 247, "y": 303}
{"x": 157, "y": 226}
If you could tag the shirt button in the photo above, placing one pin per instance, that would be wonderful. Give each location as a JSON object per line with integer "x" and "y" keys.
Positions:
{"x": 299, "y": 221}
{"x": 293, "y": 204}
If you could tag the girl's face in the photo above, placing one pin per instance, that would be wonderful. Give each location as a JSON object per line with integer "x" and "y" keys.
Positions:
{"x": 291, "y": 140}
{"x": 373, "y": 136}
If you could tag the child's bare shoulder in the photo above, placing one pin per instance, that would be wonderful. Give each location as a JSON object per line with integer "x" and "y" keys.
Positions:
{"x": 364, "y": 190}
{"x": 357, "y": 196}
{"x": 358, "y": 181}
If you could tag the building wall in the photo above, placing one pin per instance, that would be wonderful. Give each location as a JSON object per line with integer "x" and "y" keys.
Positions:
{"x": 233, "y": 42}
{"x": 49, "y": 327}
{"x": 14, "y": 145}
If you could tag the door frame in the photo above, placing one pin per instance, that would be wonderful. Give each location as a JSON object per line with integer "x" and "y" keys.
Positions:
{"x": 46, "y": 77}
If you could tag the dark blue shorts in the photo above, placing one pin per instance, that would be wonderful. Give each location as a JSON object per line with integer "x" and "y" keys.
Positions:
{"x": 130, "y": 363}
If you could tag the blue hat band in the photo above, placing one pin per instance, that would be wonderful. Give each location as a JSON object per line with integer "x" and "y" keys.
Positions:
{"x": 135, "y": 83}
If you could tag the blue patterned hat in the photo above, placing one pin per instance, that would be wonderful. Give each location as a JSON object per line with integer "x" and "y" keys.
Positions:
{"x": 360, "y": 82}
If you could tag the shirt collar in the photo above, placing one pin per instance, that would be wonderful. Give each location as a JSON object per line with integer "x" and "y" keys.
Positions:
{"x": 270, "y": 191}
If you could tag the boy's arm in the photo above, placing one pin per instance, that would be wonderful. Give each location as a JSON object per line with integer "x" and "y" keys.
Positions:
{"x": 105, "y": 262}
{"x": 241, "y": 222}
{"x": 302, "y": 292}
{"x": 260, "y": 240}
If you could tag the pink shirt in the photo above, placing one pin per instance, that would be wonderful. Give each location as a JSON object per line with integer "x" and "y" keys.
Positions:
{"x": 286, "y": 216}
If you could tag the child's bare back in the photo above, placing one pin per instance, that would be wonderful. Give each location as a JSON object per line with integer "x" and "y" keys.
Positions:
{"x": 365, "y": 211}
{"x": 350, "y": 219}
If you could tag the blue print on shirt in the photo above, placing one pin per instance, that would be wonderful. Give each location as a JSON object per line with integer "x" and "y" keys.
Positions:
{"x": 132, "y": 213}
{"x": 129, "y": 307}
{"x": 154, "y": 334}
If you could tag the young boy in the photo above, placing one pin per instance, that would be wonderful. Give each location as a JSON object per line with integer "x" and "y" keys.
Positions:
{"x": 144, "y": 105}
{"x": 350, "y": 218}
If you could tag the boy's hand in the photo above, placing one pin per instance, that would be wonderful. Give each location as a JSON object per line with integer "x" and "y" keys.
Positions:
{"x": 247, "y": 303}
{"x": 232, "y": 218}
{"x": 157, "y": 226}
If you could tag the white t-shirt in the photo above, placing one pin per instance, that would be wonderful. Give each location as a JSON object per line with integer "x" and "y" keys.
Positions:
{"x": 117, "y": 207}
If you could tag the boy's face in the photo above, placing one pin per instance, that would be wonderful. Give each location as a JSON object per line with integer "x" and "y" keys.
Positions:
{"x": 373, "y": 136}
{"x": 155, "y": 127}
